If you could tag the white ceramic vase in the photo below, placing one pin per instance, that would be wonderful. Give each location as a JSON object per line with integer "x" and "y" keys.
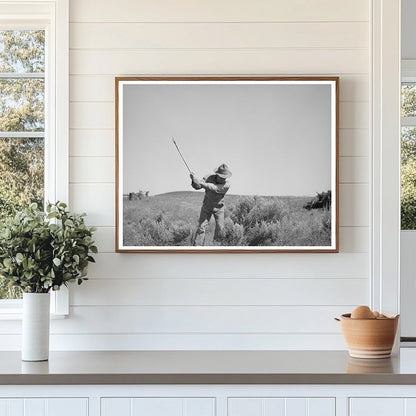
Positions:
{"x": 35, "y": 326}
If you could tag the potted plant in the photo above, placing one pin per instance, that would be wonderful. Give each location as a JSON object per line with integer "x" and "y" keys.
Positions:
{"x": 40, "y": 252}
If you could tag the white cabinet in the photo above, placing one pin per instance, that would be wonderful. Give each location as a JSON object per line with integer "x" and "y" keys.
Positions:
{"x": 281, "y": 407}
{"x": 208, "y": 400}
{"x": 383, "y": 406}
{"x": 157, "y": 406}
{"x": 44, "y": 407}
{"x": 236, "y": 406}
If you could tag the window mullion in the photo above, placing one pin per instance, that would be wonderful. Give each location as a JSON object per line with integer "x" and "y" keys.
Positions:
{"x": 22, "y": 75}
{"x": 408, "y": 121}
{"x": 22, "y": 134}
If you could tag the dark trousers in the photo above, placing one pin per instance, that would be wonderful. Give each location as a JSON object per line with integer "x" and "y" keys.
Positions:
{"x": 204, "y": 217}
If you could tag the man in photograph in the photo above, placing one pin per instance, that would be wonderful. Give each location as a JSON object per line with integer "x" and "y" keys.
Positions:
{"x": 216, "y": 186}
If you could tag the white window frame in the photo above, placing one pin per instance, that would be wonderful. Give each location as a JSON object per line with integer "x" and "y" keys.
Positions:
{"x": 385, "y": 184}
{"x": 408, "y": 75}
{"x": 408, "y": 237}
{"x": 53, "y": 17}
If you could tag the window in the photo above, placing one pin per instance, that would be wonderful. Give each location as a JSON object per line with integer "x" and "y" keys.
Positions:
{"x": 408, "y": 150}
{"x": 22, "y": 124}
{"x": 33, "y": 111}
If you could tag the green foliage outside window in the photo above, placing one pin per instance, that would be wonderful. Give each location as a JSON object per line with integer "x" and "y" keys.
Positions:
{"x": 408, "y": 160}
{"x": 21, "y": 110}
{"x": 408, "y": 104}
{"x": 408, "y": 179}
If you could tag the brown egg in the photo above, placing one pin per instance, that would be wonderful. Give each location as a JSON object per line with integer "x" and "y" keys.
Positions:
{"x": 362, "y": 312}
{"x": 376, "y": 314}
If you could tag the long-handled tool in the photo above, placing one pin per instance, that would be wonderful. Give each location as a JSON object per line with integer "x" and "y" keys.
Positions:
{"x": 177, "y": 148}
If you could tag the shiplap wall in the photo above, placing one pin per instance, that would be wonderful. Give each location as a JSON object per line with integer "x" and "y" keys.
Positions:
{"x": 213, "y": 301}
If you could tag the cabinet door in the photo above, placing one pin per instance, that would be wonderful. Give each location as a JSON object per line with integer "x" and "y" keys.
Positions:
{"x": 154, "y": 406}
{"x": 44, "y": 407}
{"x": 392, "y": 406}
{"x": 272, "y": 406}
{"x": 377, "y": 407}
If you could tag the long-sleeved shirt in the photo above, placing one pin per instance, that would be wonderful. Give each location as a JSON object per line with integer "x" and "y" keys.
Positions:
{"x": 214, "y": 192}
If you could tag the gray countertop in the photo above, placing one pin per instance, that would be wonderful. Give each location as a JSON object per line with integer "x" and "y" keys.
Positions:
{"x": 208, "y": 367}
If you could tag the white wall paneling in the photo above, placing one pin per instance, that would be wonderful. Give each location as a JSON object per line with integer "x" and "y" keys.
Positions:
{"x": 353, "y": 169}
{"x": 354, "y": 239}
{"x": 96, "y": 199}
{"x": 97, "y": 169}
{"x": 220, "y": 291}
{"x": 354, "y": 207}
{"x": 145, "y": 341}
{"x": 354, "y": 142}
{"x": 220, "y": 320}
{"x": 105, "y": 239}
{"x": 343, "y": 266}
{"x": 92, "y": 115}
{"x": 260, "y": 301}
{"x": 205, "y": 320}
{"x": 233, "y": 11}
{"x": 100, "y": 143}
{"x": 295, "y": 61}
{"x": 194, "y": 301}
{"x": 218, "y": 35}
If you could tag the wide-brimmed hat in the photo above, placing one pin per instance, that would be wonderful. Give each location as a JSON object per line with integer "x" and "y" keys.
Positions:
{"x": 223, "y": 171}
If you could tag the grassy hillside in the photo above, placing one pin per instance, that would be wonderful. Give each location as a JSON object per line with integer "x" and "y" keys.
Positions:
{"x": 170, "y": 219}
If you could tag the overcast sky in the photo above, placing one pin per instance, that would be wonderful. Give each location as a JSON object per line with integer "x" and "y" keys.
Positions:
{"x": 276, "y": 139}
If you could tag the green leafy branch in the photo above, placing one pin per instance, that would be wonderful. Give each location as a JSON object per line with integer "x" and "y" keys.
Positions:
{"x": 42, "y": 251}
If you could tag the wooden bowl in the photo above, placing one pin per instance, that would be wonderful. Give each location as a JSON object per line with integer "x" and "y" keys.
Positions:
{"x": 369, "y": 338}
{"x": 369, "y": 366}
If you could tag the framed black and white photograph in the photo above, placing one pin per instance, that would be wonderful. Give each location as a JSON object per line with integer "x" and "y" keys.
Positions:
{"x": 227, "y": 164}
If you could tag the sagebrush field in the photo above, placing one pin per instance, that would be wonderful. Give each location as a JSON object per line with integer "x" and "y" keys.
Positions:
{"x": 171, "y": 219}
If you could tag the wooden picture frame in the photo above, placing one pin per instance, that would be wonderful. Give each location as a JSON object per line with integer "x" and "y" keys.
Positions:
{"x": 263, "y": 153}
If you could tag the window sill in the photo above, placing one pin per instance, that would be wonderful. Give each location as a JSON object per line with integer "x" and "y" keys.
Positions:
{"x": 17, "y": 316}
{"x": 11, "y": 309}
